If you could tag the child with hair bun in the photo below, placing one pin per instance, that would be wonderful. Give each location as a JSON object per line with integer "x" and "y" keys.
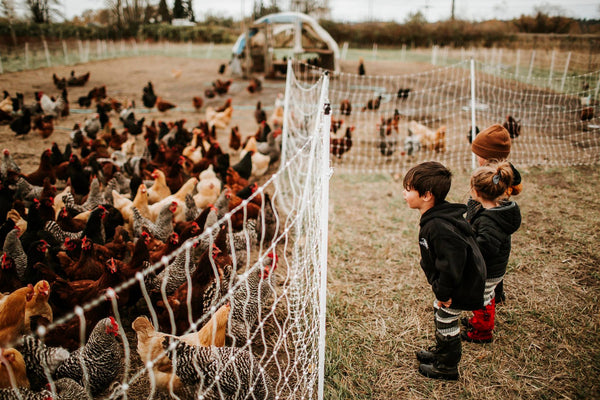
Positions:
{"x": 493, "y": 224}
{"x": 492, "y": 145}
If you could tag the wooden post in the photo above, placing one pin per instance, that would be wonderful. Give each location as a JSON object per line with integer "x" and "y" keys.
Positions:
{"x": 403, "y": 52}
{"x": 27, "y": 55}
{"x": 1, "y": 69}
{"x": 564, "y": 77}
{"x": 374, "y": 51}
{"x": 517, "y": 63}
{"x": 47, "y": 53}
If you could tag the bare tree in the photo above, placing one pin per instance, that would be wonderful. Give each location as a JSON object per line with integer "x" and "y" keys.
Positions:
{"x": 42, "y": 11}
{"x": 7, "y": 8}
{"x": 127, "y": 14}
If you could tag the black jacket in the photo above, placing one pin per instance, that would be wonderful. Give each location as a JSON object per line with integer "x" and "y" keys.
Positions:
{"x": 450, "y": 256}
{"x": 493, "y": 227}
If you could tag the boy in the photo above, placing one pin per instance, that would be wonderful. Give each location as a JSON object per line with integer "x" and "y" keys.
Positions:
{"x": 451, "y": 261}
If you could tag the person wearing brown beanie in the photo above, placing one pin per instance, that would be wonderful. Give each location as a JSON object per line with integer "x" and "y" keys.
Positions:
{"x": 493, "y": 144}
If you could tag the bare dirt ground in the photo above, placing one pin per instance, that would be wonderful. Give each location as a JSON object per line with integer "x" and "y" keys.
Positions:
{"x": 546, "y": 342}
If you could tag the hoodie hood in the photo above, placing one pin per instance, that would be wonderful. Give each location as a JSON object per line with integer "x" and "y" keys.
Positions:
{"x": 451, "y": 212}
{"x": 507, "y": 216}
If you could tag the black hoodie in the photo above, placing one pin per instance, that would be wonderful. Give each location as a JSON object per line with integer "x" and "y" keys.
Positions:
{"x": 450, "y": 257}
{"x": 493, "y": 227}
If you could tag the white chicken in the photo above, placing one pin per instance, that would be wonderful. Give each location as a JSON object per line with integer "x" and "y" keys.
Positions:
{"x": 208, "y": 188}
{"x": 220, "y": 120}
{"x": 260, "y": 162}
{"x": 51, "y": 107}
{"x": 178, "y": 198}
{"x": 159, "y": 189}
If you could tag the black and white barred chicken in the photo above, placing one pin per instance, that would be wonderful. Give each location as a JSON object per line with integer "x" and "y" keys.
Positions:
{"x": 7, "y": 163}
{"x": 68, "y": 389}
{"x": 101, "y": 356}
{"x": 14, "y": 249}
{"x": 214, "y": 372}
{"x": 174, "y": 275}
{"x": 23, "y": 393}
{"x": 41, "y": 361}
{"x": 251, "y": 293}
{"x": 161, "y": 228}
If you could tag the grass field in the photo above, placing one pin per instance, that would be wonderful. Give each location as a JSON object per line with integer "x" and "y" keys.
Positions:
{"x": 379, "y": 305}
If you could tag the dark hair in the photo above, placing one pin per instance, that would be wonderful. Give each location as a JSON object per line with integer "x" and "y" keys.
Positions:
{"x": 430, "y": 176}
{"x": 492, "y": 180}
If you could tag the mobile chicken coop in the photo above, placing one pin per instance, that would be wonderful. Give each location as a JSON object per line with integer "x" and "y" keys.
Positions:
{"x": 276, "y": 37}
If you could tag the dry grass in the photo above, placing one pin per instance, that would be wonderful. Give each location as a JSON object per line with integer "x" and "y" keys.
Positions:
{"x": 546, "y": 341}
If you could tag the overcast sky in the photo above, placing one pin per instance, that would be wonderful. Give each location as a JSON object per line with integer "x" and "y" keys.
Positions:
{"x": 398, "y": 10}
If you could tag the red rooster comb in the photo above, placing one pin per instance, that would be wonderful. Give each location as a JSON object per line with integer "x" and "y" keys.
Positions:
{"x": 113, "y": 328}
{"x": 6, "y": 152}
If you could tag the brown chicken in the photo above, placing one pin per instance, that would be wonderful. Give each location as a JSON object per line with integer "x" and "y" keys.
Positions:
{"x": 12, "y": 314}
{"x": 43, "y": 170}
{"x": 234, "y": 180}
{"x": 165, "y": 248}
{"x": 38, "y": 305}
{"x": 222, "y": 87}
{"x": 339, "y": 146}
{"x": 254, "y": 86}
{"x": 235, "y": 139}
{"x": 250, "y": 211}
{"x": 225, "y": 105}
{"x": 162, "y": 105}
{"x": 259, "y": 114}
{"x": 87, "y": 266}
{"x": 197, "y": 102}
{"x": 12, "y": 365}
{"x": 345, "y": 107}
{"x": 43, "y": 125}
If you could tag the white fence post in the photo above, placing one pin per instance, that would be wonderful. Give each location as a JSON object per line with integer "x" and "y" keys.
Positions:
{"x": 551, "y": 68}
{"x": 374, "y": 51}
{"x": 403, "y": 52}
{"x": 80, "y": 46}
{"x": 66, "y": 52}
{"x": 564, "y": 77}
{"x": 47, "y": 54}
{"x": 518, "y": 57}
{"x": 87, "y": 51}
{"x": 27, "y": 55}
{"x": 189, "y": 49}
{"x": 473, "y": 122}
{"x": 344, "y": 50}
{"x": 1, "y": 69}
{"x": 434, "y": 51}
{"x": 531, "y": 65}
{"x": 210, "y": 49}
{"x": 597, "y": 88}
{"x": 324, "y": 173}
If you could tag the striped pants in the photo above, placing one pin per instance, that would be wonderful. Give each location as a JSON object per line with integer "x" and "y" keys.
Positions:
{"x": 446, "y": 320}
{"x": 490, "y": 289}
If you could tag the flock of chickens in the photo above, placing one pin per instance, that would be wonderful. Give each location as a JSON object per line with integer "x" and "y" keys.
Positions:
{"x": 104, "y": 220}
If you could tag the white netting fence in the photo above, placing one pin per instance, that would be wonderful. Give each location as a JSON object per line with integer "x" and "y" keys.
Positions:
{"x": 397, "y": 121}
{"x": 234, "y": 312}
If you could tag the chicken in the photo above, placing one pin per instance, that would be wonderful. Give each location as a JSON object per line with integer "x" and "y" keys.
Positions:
{"x": 220, "y": 120}
{"x": 163, "y": 105}
{"x": 60, "y": 83}
{"x": 150, "y": 348}
{"x": 512, "y": 126}
{"x": 49, "y": 106}
{"x": 38, "y": 305}
{"x": 12, "y": 314}
{"x": 403, "y": 93}
{"x": 224, "y": 106}
{"x": 428, "y": 138}
{"x": 159, "y": 190}
{"x": 40, "y": 360}
{"x": 259, "y": 114}
{"x": 345, "y": 107}
{"x": 148, "y": 96}
{"x": 178, "y": 198}
{"x": 91, "y": 126}
{"x": 277, "y": 117}
{"x": 161, "y": 228}
{"x": 78, "y": 80}
{"x": 176, "y": 73}
{"x": 100, "y": 358}
{"x": 336, "y": 124}
{"x": 13, "y": 371}
{"x": 254, "y": 86}
{"x": 44, "y": 125}
{"x": 361, "y": 66}
{"x": 7, "y": 164}
{"x": 197, "y": 102}
{"x": 272, "y": 147}
{"x": 209, "y": 93}
{"x": 339, "y": 146}
{"x": 388, "y": 141}
{"x": 13, "y": 250}
{"x": 88, "y": 266}
{"x": 235, "y": 139}
{"x": 208, "y": 188}
{"x": 260, "y": 162}
{"x": 586, "y": 114}
{"x": 373, "y": 104}
{"x": 21, "y": 125}
{"x": 249, "y": 297}
{"x": 218, "y": 371}
{"x": 222, "y": 87}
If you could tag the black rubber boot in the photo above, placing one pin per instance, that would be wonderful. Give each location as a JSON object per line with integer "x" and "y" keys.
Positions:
{"x": 427, "y": 356}
{"x": 445, "y": 365}
{"x": 499, "y": 293}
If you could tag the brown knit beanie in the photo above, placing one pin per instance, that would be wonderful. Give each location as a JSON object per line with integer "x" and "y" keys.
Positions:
{"x": 492, "y": 143}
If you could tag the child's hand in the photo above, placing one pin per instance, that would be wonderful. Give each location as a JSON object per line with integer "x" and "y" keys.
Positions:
{"x": 445, "y": 304}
